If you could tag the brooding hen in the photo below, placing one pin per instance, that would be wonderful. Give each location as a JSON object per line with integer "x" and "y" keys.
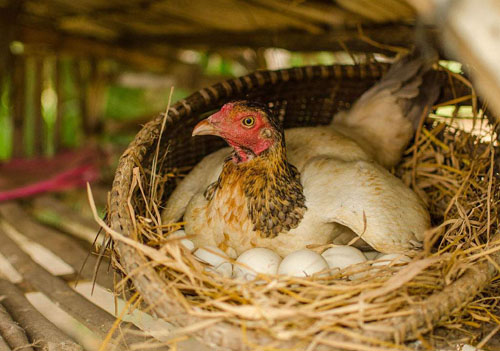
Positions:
{"x": 325, "y": 184}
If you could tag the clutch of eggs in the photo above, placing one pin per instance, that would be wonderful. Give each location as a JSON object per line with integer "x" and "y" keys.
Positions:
{"x": 301, "y": 263}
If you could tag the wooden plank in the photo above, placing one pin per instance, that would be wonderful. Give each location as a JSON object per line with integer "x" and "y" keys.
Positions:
{"x": 63, "y": 246}
{"x": 39, "y": 329}
{"x": 11, "y": 332}
{"x": 94, "y": 318}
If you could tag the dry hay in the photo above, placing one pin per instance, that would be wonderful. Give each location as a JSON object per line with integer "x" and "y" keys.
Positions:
{"x": 452, "y": 170}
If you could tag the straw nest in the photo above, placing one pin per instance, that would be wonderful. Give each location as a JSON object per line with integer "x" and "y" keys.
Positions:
{"x": 450, "y": 283}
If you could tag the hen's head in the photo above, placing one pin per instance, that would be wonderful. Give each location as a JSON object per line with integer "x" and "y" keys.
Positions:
{"x": 249, "y": 128}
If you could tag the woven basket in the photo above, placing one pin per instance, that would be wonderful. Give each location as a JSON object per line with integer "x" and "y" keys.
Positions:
{"x": 302, "y": 96}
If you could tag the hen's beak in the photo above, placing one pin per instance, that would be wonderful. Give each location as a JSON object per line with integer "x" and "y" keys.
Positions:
{"x": 205, "y": 127}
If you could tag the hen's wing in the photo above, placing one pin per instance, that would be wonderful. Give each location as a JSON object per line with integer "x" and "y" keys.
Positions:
{"x": 385, "y": 117}
{"x": 304, "y": 143}
{"x": 197, "y": 181}
{"x": 367, "y": 199}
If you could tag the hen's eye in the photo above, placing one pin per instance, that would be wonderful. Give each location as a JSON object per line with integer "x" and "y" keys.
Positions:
{"x": 248, "y": 121}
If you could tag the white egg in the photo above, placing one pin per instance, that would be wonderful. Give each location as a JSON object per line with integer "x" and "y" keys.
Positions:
{"x": 344, "y": 256}
{"x": 371, "y": 255}
{"x": 387, "y": 259}
{"x": 216, "y": 258}
{"x": 257, "y": 260}
{"x": 188, "y": 244}
{"x": 302, "y": 263}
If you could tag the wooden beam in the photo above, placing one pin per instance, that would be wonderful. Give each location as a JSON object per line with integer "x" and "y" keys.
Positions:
{"x": 150, "y": 51}
{"x": 380, "y": 38}
{"x": 66, "y": 44}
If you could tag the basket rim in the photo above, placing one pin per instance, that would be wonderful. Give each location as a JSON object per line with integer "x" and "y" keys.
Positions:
{"x": 146, "y": 280}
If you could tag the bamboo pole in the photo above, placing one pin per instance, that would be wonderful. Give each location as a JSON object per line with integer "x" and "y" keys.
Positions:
{"x": 18, "y": 99}
{"x": 37, "y": 106}
{"x": 60, "y": 98}
{"x": 79, "y": 70}
{"x": 12, "y": 332}
{"x": 40, "y": 330}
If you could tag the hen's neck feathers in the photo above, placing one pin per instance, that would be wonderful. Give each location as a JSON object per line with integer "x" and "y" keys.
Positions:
{"x": 274, "y": 194}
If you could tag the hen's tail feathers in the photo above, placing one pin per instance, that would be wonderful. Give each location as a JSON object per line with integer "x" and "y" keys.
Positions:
{"x": 414, "y": 83}
{"x": 386, "y": 116}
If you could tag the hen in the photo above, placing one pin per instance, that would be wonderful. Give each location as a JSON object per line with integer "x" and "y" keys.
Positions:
{"x": 326, "y": 184}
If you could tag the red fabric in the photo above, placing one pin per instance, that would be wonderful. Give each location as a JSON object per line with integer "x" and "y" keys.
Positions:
{"x": 26, "y": 177}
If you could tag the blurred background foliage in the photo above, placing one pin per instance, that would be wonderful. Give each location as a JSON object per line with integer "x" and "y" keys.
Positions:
{"x": 127, "y": 98}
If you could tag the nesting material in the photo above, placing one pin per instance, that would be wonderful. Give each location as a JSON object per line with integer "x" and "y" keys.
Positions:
{"x": 181, "y": 234}
{"x": 453, "y": 171}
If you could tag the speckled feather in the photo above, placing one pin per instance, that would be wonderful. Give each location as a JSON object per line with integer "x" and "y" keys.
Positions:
{"x": 274, "y": 194}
